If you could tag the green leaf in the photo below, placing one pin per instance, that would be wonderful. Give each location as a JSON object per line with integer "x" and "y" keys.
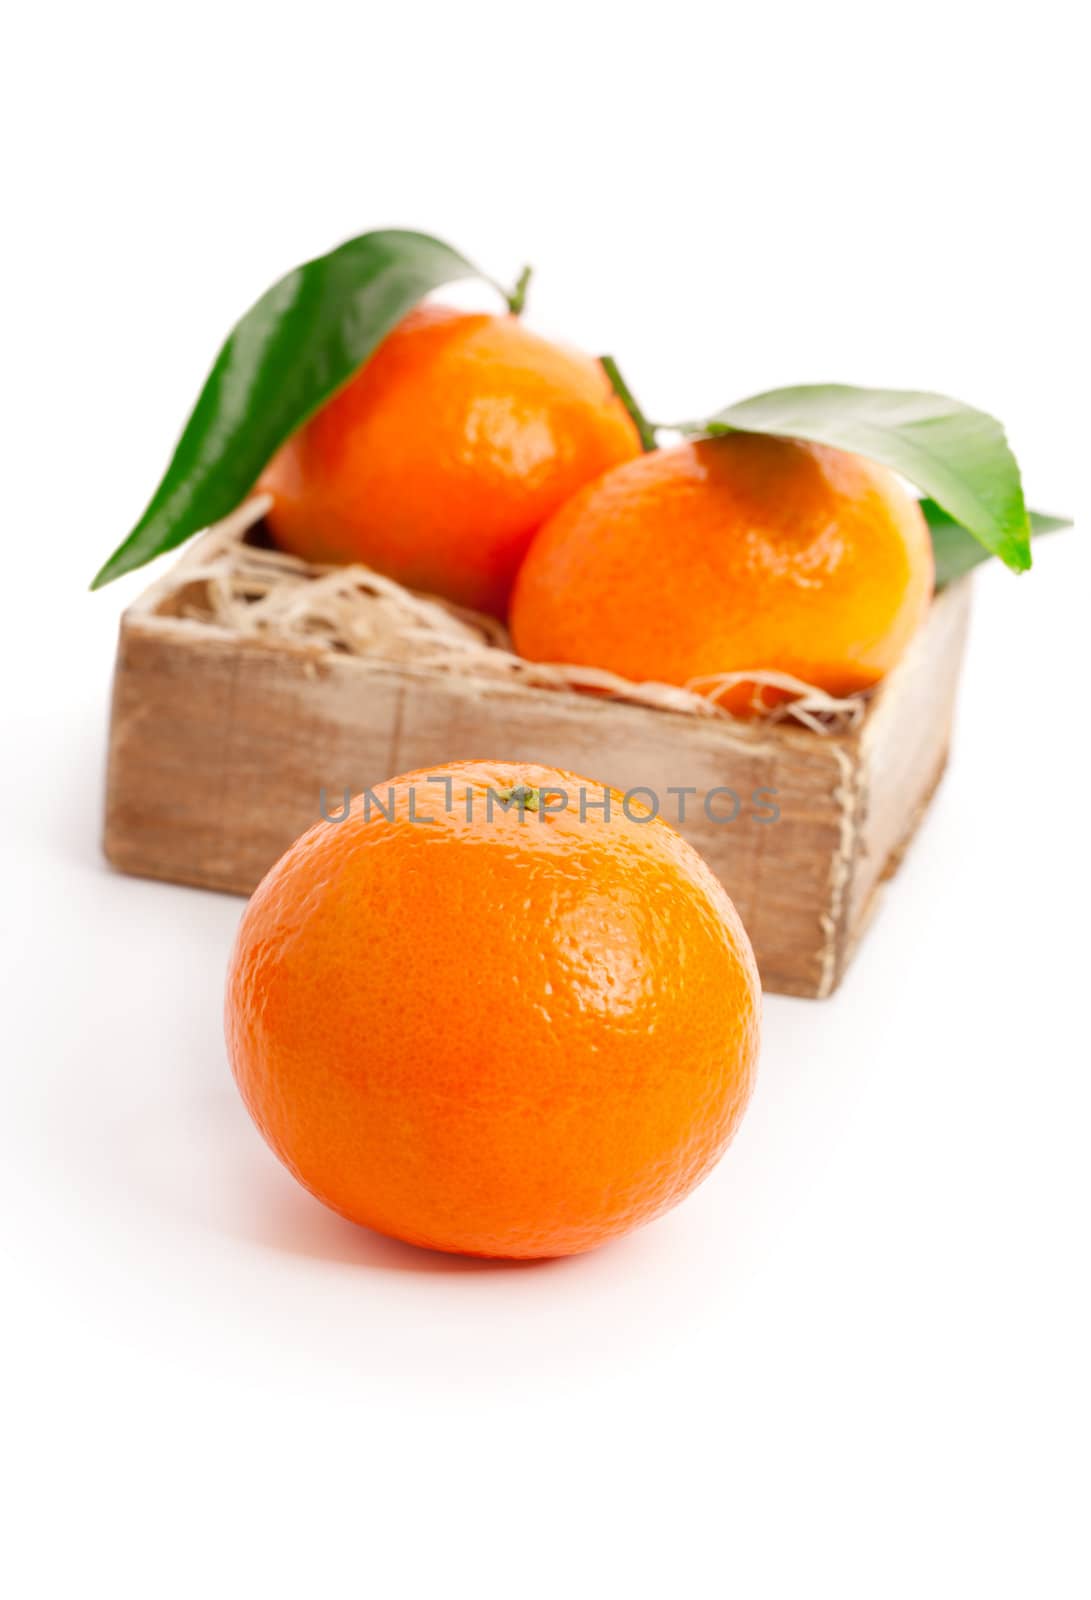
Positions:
{"x": 957, "y": 551}
{"x": 299, "y": 343}
{"x": 955, "y": 454}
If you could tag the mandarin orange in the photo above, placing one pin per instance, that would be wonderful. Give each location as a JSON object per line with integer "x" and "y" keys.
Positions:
{"x": 439, "y": 460}
{"x": 731, "y": 555}
{"x": 507, "y": 1026}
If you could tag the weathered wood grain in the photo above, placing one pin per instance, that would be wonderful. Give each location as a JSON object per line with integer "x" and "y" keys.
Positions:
{"x": 220, "y": 747}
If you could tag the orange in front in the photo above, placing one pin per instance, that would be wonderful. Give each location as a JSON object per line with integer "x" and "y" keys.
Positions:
{"x": 731, "y": 555}
{"x": 510, "y": 1035}
{"x": 439, "y": 460}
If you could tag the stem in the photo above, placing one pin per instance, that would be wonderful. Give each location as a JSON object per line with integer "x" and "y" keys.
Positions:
{"x": 645, "y": 429}
{"x": 517, "y": 299}
{"x": 525, "y": 797}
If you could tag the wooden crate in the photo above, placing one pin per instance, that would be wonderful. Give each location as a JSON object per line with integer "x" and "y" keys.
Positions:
{"x": 220, "y": 745}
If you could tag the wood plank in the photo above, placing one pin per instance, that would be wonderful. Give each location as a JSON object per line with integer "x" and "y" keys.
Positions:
{"x": 903, "y": 749}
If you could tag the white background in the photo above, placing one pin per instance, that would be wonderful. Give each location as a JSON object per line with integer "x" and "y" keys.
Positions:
{"x": 856, "y": 1361}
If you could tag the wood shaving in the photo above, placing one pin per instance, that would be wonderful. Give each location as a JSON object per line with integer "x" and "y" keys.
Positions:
{"x": 230, "y": 580}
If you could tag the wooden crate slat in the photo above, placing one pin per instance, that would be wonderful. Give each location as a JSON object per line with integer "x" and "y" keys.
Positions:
{"x": 221, "y": 744}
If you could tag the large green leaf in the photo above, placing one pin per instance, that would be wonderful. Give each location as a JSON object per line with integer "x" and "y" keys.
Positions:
{"x": 958, "y": 552}
{"x": 955, "y": 454}
{"x": 291, "y": 351}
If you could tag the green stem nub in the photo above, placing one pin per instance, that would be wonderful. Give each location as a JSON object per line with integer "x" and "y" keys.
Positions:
{"x": 524, "y": 796}
{"x": 643, "y": 427}
{"x": 517, "y": 299}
